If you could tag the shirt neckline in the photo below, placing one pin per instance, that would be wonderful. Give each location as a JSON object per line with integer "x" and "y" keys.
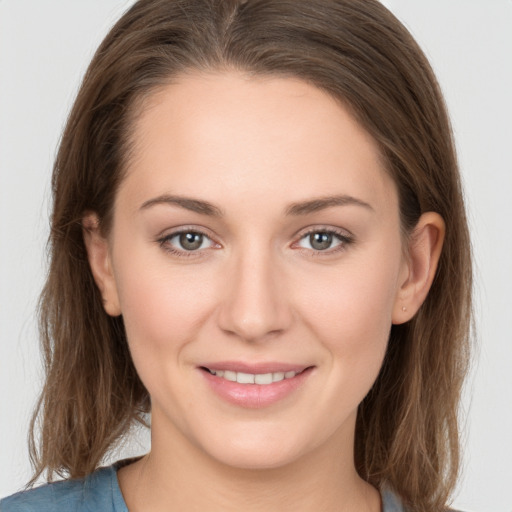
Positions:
{"x": 390, "y": 501}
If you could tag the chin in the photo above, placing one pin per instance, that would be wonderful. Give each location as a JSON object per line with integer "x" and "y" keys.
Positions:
{"x": 259, "y": 450}
{"x": 252, "y": 459}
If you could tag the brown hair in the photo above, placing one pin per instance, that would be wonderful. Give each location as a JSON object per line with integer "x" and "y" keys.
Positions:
{"x": 358, "y": 52}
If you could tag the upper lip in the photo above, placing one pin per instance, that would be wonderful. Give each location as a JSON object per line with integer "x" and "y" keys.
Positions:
{"x": 255, "y": 368}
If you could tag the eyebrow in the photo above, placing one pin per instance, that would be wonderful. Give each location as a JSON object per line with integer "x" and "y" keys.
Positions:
{"x": 295, "y": 209}
{"x": 321, "y": 203}
{"x": 194, "y": 205}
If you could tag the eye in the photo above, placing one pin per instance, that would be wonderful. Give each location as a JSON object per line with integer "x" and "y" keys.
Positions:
{"x": 184, "y": 242}
{"x": 190, "y": 241}
{"x": 324, "y": 241}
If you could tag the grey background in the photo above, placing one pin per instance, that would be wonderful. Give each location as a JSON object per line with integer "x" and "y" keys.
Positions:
{"x": 44, "y": 48}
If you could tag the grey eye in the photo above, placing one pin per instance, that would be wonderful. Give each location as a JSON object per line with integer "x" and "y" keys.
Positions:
{"x": 320, "y": 241}
{"x": 191, "y": 241}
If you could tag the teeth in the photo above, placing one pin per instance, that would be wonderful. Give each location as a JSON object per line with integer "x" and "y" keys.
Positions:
{"x": 263, "y": 378}
{"x": 228, "y": 375}
{"x": 276, "y": 377}
{"x": 245, "y": 378}
{"x": 251, "y": 378}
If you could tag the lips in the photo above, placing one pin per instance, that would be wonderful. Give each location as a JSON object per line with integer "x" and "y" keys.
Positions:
{"x": 254, "y": 385}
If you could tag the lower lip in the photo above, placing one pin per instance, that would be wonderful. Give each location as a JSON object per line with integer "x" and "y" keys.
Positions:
{"x": 255, "y": 396}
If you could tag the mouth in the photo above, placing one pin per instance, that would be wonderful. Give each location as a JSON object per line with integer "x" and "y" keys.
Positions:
{"x": 262, "y": 379}
{"x": 255, "y": 385}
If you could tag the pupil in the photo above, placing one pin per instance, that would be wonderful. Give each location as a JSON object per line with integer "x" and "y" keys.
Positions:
{"x": 191, "y": 241}
{"x": 320, "y": 241}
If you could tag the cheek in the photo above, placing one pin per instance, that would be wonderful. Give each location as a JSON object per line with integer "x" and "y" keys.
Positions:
{"x": 163, "y": 306}
{"x": 351, "y": 310}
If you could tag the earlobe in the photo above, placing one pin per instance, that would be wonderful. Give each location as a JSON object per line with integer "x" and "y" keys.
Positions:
{"x": 98, "y": 254}
{"x": 424, "y": 251}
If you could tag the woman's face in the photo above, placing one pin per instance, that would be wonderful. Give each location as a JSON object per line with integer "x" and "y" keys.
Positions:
{"x": 256, "y": 238}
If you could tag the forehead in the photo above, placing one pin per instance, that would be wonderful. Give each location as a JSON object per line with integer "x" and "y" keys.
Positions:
{"x": 229, "y": 134}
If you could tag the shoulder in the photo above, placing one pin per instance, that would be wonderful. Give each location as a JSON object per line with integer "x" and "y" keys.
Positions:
{"x": 392, "y": 503}
{"x": 95, "y": 492}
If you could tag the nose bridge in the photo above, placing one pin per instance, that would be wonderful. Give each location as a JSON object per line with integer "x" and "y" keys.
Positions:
{"x": 254, "y": 304}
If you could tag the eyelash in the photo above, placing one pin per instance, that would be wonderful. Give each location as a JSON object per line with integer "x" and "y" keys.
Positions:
{"x": 163, "y": 241}
{"x": 344, "y": 239}
{"x": 342, "y": 236}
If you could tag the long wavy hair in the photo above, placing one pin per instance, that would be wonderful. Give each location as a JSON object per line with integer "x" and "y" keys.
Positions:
{"x": 407, "y": 434}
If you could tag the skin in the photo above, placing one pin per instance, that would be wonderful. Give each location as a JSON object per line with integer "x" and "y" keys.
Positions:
{"x": 256, "y": 289}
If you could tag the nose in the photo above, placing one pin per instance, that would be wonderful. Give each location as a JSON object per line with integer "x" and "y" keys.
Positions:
{"x": 255, "y": 305}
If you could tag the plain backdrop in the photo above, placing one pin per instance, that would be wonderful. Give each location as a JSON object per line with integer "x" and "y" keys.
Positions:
{"x": 45, "y": 46}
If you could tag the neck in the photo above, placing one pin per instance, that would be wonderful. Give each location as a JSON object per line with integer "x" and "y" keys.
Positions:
{"x": 177, "y": 476}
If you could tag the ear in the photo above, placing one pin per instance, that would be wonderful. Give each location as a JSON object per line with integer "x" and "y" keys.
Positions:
{"x": 98, "y": 254}
{"x": 424, "y": 250}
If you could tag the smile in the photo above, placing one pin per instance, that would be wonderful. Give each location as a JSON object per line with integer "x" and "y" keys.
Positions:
{"x": 255, "y": 385}
{"x": 253, "y": 378}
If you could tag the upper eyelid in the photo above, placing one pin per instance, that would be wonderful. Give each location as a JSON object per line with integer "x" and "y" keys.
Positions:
{"x": 323, "y": 229}
{"x": 171, "y": 232}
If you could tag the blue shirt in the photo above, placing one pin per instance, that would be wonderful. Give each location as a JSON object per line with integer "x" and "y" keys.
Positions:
{"x": 100, "y": 492}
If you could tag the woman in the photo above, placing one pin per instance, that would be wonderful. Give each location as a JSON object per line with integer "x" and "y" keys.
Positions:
{"x": 259, "y": 237}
